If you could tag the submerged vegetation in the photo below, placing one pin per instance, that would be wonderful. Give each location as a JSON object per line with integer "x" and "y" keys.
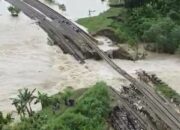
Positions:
{"x": 168, "y": 92}
{"x": 14, "y": 11}
{"x": 50, "y": 1}
{"x": 54, "y": 2}
{"x": 88, "y": 113}
{"x": 155, "y": 22}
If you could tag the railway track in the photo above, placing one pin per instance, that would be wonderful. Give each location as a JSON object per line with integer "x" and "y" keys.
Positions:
{"x": 52, "y": 31}
{"x": 164, "y": 111}
{"x": 67, "y": 25}
{"x": 49, "y": 12}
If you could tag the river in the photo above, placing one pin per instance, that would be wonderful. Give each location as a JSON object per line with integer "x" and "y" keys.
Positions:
{"x": 27, "y": 61}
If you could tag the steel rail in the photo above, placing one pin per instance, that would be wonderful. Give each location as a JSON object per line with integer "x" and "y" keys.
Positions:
{"x": 165, "y": 112}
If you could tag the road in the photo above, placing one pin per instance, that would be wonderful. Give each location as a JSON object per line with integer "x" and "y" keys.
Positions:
{"x": 60, "y": 29}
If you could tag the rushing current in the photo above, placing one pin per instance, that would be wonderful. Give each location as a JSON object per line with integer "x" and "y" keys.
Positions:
{"x": 26, "y": 60}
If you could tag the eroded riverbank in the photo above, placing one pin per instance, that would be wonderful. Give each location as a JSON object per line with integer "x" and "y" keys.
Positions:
{"x": 26, "y": 60}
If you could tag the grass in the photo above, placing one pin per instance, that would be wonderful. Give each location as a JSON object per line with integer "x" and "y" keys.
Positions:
{"x": 89, "y": 113}
{"x": 168, "y": 92}
{"x": 106, "y": 20}
{"x": 114, "y": 1}
{"x": 97, "y": 23}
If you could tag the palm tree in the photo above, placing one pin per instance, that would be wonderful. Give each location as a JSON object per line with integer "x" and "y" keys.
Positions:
{"x": 23, "y": 102}
{"x": 19, "y": 107}
{"x": 43, "y": 99}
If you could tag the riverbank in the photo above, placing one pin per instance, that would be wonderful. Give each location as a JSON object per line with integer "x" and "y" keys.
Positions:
{"x": 27, "y": 61}
{"x": 105, "y": 22}
{"x": 72, "y": 109}
{"x": 134, "y": 23}
{"x": 113, "y": 24}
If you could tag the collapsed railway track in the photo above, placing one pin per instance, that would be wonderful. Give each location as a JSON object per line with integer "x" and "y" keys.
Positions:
{"x": 32, "y": 8}
{"x": 54, "y": 33}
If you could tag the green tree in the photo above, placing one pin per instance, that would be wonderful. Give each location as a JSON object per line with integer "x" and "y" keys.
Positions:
{"x": 43, "y": 99}
{"x": 178, "y": 50}
{"x": 14, "y": 11}
{"x": 23, "y": 102}
{"x": 164, "y": 34}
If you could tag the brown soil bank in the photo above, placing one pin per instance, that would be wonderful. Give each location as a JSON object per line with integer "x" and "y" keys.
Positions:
{"x": 108, "y": 33}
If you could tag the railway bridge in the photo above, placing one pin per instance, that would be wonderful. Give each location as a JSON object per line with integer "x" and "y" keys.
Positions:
{"x": 73, "y": 40}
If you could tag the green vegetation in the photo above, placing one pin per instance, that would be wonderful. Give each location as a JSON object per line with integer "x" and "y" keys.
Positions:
{"x": 54, "y": 2}
{"x": 14, "y": 11}
{"x": 168, "y": 92}
{"x": 178, "y": 50}
{"x": 5, "y": 120}
{"x": 155, "y": 22}
{"x": 89, "y": 113}
{"x": 23, "y": 102}
{"x": 50, "y": 1}
{"x": 43, "y": 99}
{"x": 105, "y": 21}
{"x": 62, "y": 7}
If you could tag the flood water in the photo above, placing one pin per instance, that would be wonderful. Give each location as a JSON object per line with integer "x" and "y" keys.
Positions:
{"x": 26, "y": 60}
{"x": 76, "y": 9}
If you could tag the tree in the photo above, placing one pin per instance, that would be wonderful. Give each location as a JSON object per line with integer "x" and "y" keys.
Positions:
{"x": 19, "y": 107}
{"x": 62, "y": 7}
{"x": 50, "y": 1}
{"x": 23, "y": 102}
{"x": 164, "y": 34}
{"x": 135, "y": 3}
{"x": 14, "y": 11}
{"x": 178, "y": 50}
{"x": 43, "y": 99}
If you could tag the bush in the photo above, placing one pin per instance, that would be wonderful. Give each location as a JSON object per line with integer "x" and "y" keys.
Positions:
{"x": 168, "y": 92}
{"x": 89, "y": 113}
{"x": 178, "y": 50}
{"x": 71, "y": 121}
{"x": 175, "y": 36}
{"x": 174, "y": 15}
{"x": 13, "y": 10}
{"x": 165, "y": 35}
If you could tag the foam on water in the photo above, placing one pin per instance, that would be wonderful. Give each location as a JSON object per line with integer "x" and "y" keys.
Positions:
{"x": 26, "y": 60}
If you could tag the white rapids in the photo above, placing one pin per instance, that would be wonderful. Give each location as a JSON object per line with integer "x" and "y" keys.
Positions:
{"x": 27, "y": 61}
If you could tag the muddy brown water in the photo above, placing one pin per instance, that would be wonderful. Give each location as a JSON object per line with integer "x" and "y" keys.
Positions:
{"x": 27, "y": 61}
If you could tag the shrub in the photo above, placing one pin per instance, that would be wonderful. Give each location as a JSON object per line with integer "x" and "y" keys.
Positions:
{"x": 168, "y": 92}
{"x": 165, "y": 35}
{"x": 178, "y": 50}
{"x": 13, "y": 10}
{"x": 89, "y": 113}
{"x": 71, "y": 121}
{"x": 175, "y": 36}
